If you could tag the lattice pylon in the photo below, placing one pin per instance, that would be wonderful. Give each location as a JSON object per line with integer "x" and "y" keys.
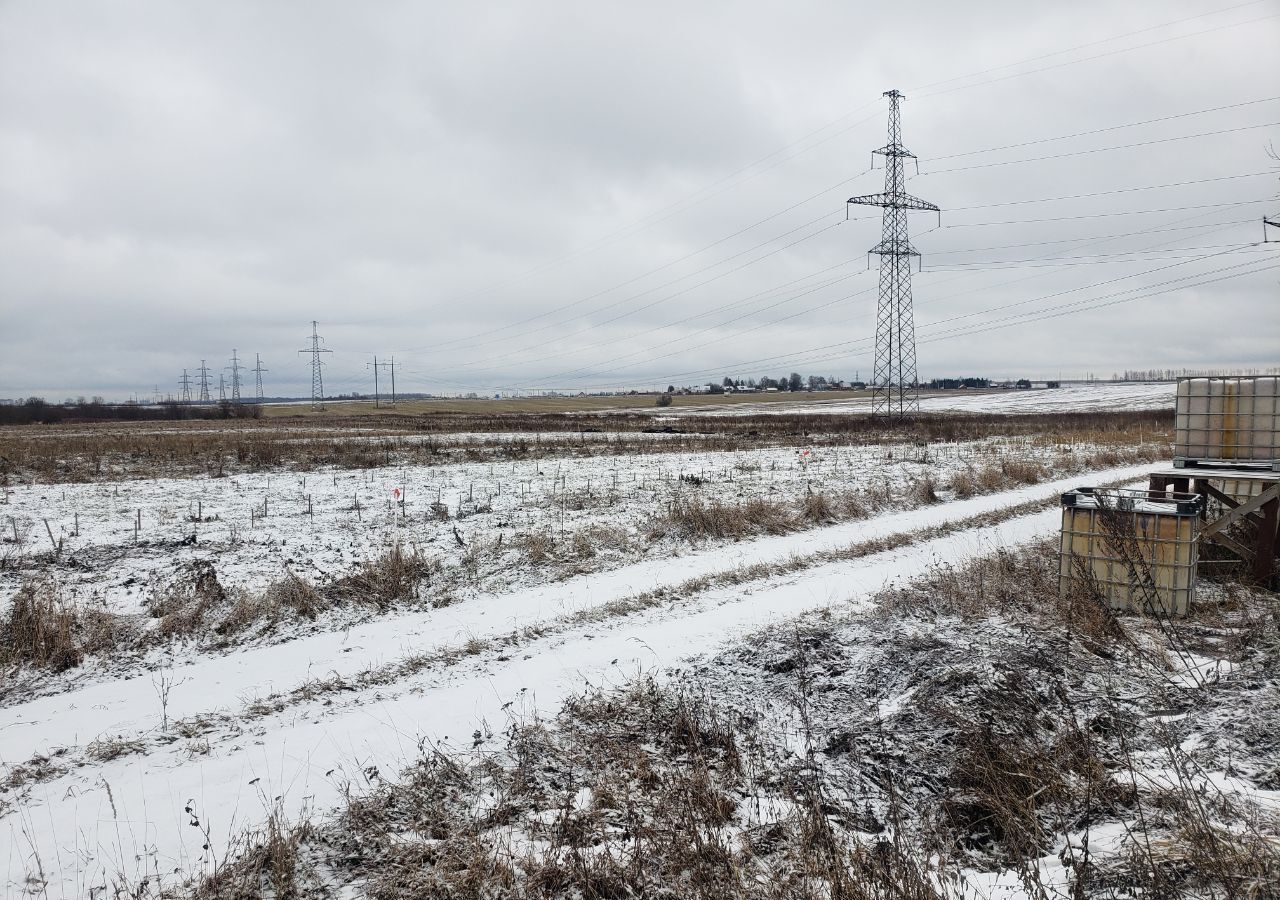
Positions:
{"x": 895, "y": 388}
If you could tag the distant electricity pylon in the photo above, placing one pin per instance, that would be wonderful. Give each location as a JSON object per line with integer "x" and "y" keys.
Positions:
{"x": 222, "y": 388}
{"x": 204, "y": 383}
{"x": 317, "y": 376}
{"x": 377, "y": 394}
{"x": 257, "y": 374}
{"x": 234, "y": 369}
{"x": 185, "y": 383}
{"x": 895, "y": 389}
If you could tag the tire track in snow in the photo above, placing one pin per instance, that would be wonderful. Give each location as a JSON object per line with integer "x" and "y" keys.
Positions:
{"x": 307, "y": 758}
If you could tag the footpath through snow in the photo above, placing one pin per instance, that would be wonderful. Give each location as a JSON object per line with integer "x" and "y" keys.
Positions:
{"x": 126, "y": 817}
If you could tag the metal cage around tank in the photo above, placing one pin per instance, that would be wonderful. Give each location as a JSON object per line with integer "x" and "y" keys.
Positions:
{"x": 1136, "y": 549}
{"x": 1231, "y": 421}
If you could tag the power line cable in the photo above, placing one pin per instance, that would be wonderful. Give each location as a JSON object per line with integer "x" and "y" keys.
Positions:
{"x": 1109, "y": 128}
{"x": 1072, "y": 153}
{"x": 1073, "y": 62}
{"x": 1087, "y": 241}
{"x": 1085, "y": 46}
{"x": 1002, "y": 307}
{"x": 825, "y": 192}
{"x": 664, "y": 299}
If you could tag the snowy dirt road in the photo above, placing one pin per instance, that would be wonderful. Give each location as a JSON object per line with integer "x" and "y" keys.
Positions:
{"x": 237, "y": 736}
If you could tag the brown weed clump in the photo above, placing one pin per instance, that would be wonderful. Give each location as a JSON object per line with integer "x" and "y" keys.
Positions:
{"x": 384, "y": 581}
{"x": 46, "y": 630}
{"x": 925, "y": 490}
{"x": 269, "y": 864}
{"x": 695, "y": 519}
{"x": 41, "y": 629}
{"x": 817, "y": 508}
{"x": 1014, "y": 584}
{"x": 184, "y": 606}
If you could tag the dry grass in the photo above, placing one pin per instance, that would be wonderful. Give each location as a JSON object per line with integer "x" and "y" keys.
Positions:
{"x": 46, "y": 630}
{"x": 97, "y": 451}
{"x": 544, "y": 405}
{"x": 925, "y": 490}
{"x": 538, "y": 547}
{"x": 268, "y": 865}
{"x": 107, "y": 749}
{"x": 182, "y": 609}
{"x": 41, "y": 629}
{"x": 818, "y": 508}
{"x": 382, "y": 582}
{"x": 1021, "y": 586}
{"x": 634, "y": 793}
{"x": 693, "y": 518}
{"x": 1011, "y": 746}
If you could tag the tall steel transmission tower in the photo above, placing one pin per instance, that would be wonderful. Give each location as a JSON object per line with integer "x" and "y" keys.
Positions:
{"x": 895, "y": 389}
{"x": 317, "y": 376}
{"x": 257, "y": 374}
{"x": 234, "y": 369}
{"x": 222, "y": 388}
{"x": 204, "y": 383}
{"x": 185, "y": 383}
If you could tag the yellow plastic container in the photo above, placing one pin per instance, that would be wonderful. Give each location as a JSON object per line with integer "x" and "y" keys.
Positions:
{"x": 1136, "y": 549}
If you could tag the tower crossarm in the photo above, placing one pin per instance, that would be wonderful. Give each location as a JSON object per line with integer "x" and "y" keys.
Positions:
{"x": 894, "y": 201}
{"x": 1272, "y": 222}
{"x": 895, "y": 247}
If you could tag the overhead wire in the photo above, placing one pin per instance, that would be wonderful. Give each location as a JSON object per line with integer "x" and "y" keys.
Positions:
{"x": 1092, "y": 150}
{"x": 1050, "y": 296}
{"x": 930, "y": 94}
{"x": 1085, "y": 46}
{"x": 790, "y": 358}
{"x": 1082, "y": 242}
{"x": 1109, "y": 128}
{"x": 565, "y": 307}
{"x": 1019, "y": 74}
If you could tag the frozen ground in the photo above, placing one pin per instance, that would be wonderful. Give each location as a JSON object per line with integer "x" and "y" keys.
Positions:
{"x": 151, "y": 763}
{"x": 122, "y": 541}
{"x": 236, "y": 735}
{"x": 1068, "y": 398}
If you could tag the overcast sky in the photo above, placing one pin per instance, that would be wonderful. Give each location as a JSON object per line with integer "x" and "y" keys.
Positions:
{"x": 587, "y": 194}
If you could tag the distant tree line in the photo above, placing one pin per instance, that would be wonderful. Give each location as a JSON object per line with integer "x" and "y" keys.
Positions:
{"x": 951, "y": 384}
{"x": 793, "y": 381}
{"x": 36, "y": 410}
{"x": 1175, "y": 374}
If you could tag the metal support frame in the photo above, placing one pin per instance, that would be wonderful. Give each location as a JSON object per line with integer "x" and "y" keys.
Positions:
{"x": 1260, "y": 514}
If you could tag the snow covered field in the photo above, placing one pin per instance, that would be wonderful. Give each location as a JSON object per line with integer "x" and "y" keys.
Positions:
{"x": 121, "y": 540}
{"x": 237, "y": 735}
{"x": 1068, "y": 398}
{"x": 547, "y": 576}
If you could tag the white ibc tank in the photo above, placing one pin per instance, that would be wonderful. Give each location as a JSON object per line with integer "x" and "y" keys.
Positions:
{"x": 1228, "y": 420}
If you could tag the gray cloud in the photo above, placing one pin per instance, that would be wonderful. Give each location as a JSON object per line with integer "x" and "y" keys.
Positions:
{"x": 179, "y": 180}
